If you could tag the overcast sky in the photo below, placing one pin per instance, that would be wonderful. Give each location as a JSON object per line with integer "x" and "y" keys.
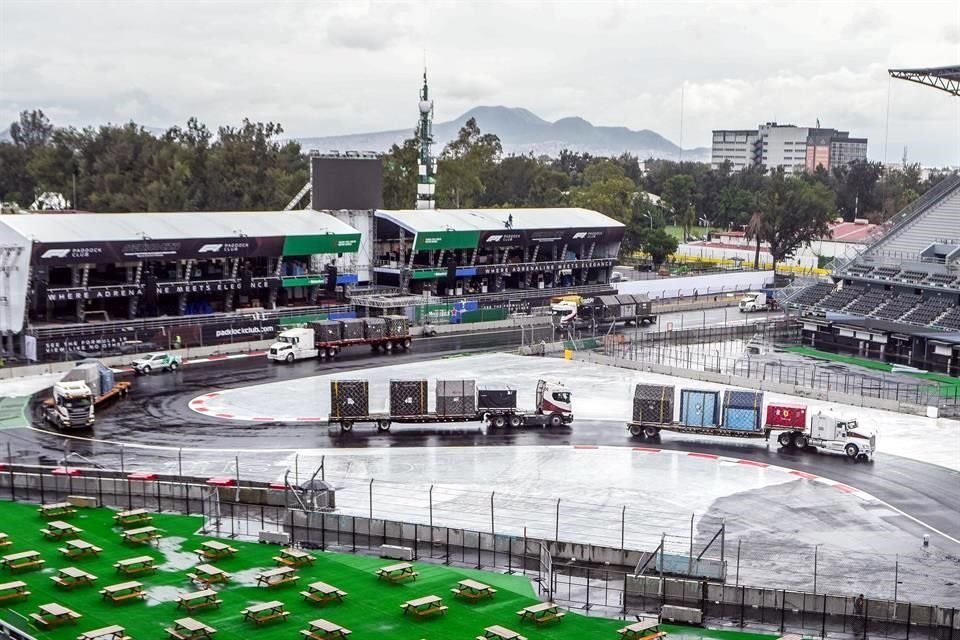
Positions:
{"x": 326, "y": 68}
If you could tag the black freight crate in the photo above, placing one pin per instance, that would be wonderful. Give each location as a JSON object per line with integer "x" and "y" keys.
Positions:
{"x": 352, "y": 328}
{"x": 743, "y": 399}
{"x": 397, "y": 326}
{"x": 326, "y": 330}
{"x": 500, "y": 397}
{"x": 408, "y": 397}
{"x": 456, "y": 397}
{"x": 653, "y": 403}
{"x": 349, "y": 398}
{"x": 374, "y": 328}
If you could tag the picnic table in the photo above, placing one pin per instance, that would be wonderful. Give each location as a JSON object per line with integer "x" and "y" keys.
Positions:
{"x": 113, "y": 632}
{"x": 133, "y": 517}
{"x": 214, "y": 550}
{"x": 4, "y": 541}
{"x": 473, "y": 590}
{"x": 190, "y": 629}
{"x": 198, "y": 600}
{"x": 265, "y": 612}
{"x": 53, "y": 615}
{"x": 70, "y": 577}
{"x": 133, "y": 566}
{"x": 60, "y": 530}
{"x": 141, "y": 535}
{"x": 208, "y": 574}
{"x": 322, "y": 592}
{"x": 25, "y": 560}
{"x": 277, "y": 577}
{"x": 13, "y": 590}
{"x": 57, "y": 509}
{"x": 79, "y": 548}
{"x": 397, "y": 572}
{"x": 294, "y": 558}
{"x": 321, "y": 629}
{"x": 425, "y": 606}
{"x": 123, "y": 591}
{"x": 496, "y": 632}
{"x": 542, "y": 612}
{"x": 642, "y": 630}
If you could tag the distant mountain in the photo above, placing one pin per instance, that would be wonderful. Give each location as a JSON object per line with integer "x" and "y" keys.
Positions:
{"x": 522, "y": 132}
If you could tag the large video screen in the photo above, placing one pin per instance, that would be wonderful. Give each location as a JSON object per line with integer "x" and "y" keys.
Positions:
{"x": 346, "y": 183}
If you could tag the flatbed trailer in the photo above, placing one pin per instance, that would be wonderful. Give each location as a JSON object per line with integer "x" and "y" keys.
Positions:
{"x": 495, "y": 418}
{"x": 652, "y": 430}
{"x": 332, "y": 349}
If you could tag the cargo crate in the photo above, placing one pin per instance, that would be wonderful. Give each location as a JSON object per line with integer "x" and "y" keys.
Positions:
{"x": 397, "y": 326}
{"x": 456, "y": 397}
{"x": 502, "y": 397}
{"x": 349, "y": 398}
{"x": 326, "y": 330}
{"x": 699, "y": 408}
{"x": 374, "y": 328}
{"x": 740, "y": 419}
{"x": 408, "y": 397}
{"x": 351, "y": 328}
{"x": 743, "y": 399}
{"x": 789, "y": 416}
{"x": 653, "y": 403}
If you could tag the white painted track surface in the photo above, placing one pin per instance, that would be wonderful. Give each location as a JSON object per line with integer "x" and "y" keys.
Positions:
{"x": 599, "y": 393}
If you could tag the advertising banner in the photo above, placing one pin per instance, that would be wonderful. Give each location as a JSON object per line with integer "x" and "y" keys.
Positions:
{"x": 108, "y": 252}
{"x": 162, "y": 288}
{"x": 433, "y": 240}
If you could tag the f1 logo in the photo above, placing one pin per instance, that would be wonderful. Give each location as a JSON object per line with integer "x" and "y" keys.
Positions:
{"x": 56, "y": 253}
{"x": 210, "y": 248}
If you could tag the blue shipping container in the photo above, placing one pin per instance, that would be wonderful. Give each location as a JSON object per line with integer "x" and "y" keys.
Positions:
{"x": 741, "y": 419}
{"x": 699, "y": 408}
{"x": 743, "y": 399}
{"x": 107, "y": 380}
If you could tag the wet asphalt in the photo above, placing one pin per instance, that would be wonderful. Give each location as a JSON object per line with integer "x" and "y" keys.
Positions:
{"x": 157, "y": 414}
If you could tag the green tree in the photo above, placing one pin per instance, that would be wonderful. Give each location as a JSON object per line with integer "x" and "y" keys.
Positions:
{"x": 400, "y": 175}
{"x": 464, "y": 166}
{"x": 33, "y": 129}
{"x": 606, "y": 189}
{"x": 735, "y": 207}
{"x": 678, "y": 195}
{"x": 794, "y": 212}
{"x": 659, "y": 244}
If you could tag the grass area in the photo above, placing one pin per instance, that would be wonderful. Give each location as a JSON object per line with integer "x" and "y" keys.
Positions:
{"x": 371, "y": 609}
{"x": 677, "y": 231}
{"x": 948, "y": 386}
{"x": 13, "y": 412}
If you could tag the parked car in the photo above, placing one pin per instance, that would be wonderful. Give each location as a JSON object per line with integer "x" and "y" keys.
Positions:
{"x": 156, "y": 361}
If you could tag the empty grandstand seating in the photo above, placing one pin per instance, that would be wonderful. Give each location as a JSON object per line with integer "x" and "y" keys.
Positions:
{"x": 840, "y": 298}
{"x": 812, "y": 295}
{"x": 897, "y": 307}
{"x": 858, "y": 269}
{"x": 886, "y": 273}
{"x": 950, "y": 321}
{"x": 941, "y": 279}
{"x": 935, "y": 218}
{"x": 911, "y": 276}
{"x": 869, "y": 302}
{"x": 928, "y": 311}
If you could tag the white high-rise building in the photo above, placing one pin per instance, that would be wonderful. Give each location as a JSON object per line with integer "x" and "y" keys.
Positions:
{"x": 794, "y": 148}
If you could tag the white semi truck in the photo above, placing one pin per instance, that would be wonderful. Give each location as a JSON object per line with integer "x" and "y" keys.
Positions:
{"x": 753, "y": 301}
{"x": 326, "y": 338}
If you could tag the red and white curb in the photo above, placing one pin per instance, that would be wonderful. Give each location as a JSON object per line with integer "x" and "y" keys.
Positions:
{"x": 232, "y": 356}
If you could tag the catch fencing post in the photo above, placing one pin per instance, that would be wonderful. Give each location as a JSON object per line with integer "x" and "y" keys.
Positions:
{"x": 623, "y": 528}
{"x": 737, "y": 583}
{"x": 493, "y": 531}
{"x": 690, "y": 557}
{"x": 371, "y": 498}
{"x": 430, "y": 499}
{"x": 816, "y": 549}
{"x": 556, "y": 535}
{"x": 13, "y": 493}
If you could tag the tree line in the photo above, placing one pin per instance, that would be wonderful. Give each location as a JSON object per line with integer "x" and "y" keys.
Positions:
{"x": 120, "y": 168}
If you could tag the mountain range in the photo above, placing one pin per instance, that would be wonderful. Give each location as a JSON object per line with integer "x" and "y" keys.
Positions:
{"x": 523, "y": 132}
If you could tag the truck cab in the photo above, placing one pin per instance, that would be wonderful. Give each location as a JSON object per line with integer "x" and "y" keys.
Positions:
{"x": 753, "y": 301}
{"x": 555, "y": 402}
{"x": 840, "y": 435}
{"x": 293, "y": 344}
{"x": 565, "y": 308}
{"x": 72, "y": 406}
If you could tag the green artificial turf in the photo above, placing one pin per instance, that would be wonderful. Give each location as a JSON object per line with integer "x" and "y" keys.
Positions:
{"x": 371, "y": 609}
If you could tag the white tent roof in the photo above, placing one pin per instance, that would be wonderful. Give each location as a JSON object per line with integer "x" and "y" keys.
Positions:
{"x": 106, "y": 227}
{"x": 416, "y": 220}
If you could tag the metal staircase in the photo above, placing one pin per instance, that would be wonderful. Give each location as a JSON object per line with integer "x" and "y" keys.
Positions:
{"x": 297, "y": 198}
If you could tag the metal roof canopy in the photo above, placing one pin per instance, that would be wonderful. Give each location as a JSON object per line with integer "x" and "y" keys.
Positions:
{"x": 432, "y": 220}
{"x": 106, "y": 227}
{"x": 943, "y": 78}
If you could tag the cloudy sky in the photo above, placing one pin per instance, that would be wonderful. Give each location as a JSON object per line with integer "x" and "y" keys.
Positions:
{"x": 326, "y": 68}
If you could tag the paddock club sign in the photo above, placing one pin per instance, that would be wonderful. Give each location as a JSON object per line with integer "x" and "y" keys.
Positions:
{"x": 64, "y": 253}
{"x": 162, "y": 288}
{"x": 527, "y": 237}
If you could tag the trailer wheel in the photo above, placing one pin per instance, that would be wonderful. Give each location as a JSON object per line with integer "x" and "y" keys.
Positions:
{"x": 651, "y": 432}
{"x": 498, "y": 422}
{"x": 636, "y": 430}
{"x": 289, "y": 358}
{"x": 383, "y": 425}
{"x": 407, "y": 343}
{"x": 346, "y": 426}
{"x": 331, "y": 352}
{"x": 851, "y": 450}
{"x": 800, "y": 441}
{"x": 515, "y": 421}
{"x": 388, "y": 346}
{"x": 785, "y": 439}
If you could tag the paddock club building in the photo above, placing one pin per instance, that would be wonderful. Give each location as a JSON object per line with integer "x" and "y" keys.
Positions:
{"x": 88, "y": 283}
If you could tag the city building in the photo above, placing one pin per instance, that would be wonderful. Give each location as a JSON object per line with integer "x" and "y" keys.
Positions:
{"x": 794, "y": 148}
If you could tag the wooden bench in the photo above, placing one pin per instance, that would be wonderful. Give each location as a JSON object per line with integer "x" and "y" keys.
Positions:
{"x": 541, "y": 613}
{"x": 321, "y": 593}
{"x": 113, "y": 632}
{"x": 133, "y": 566}
{"x": 277, "y": 577}
{"x": 123, "y": 591}
{"x": 23, "y": 561}
{"x": 424, "y": 607}
{"x": 198, "y": 600}
{"x": 53, "y": 615}
{"x": 473, "y": 590}
{"x": 397, "y": 573}
{"x": 13, "y": 590}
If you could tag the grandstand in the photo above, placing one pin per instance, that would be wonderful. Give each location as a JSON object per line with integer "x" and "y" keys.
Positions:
{"x": 901, "y": 293}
